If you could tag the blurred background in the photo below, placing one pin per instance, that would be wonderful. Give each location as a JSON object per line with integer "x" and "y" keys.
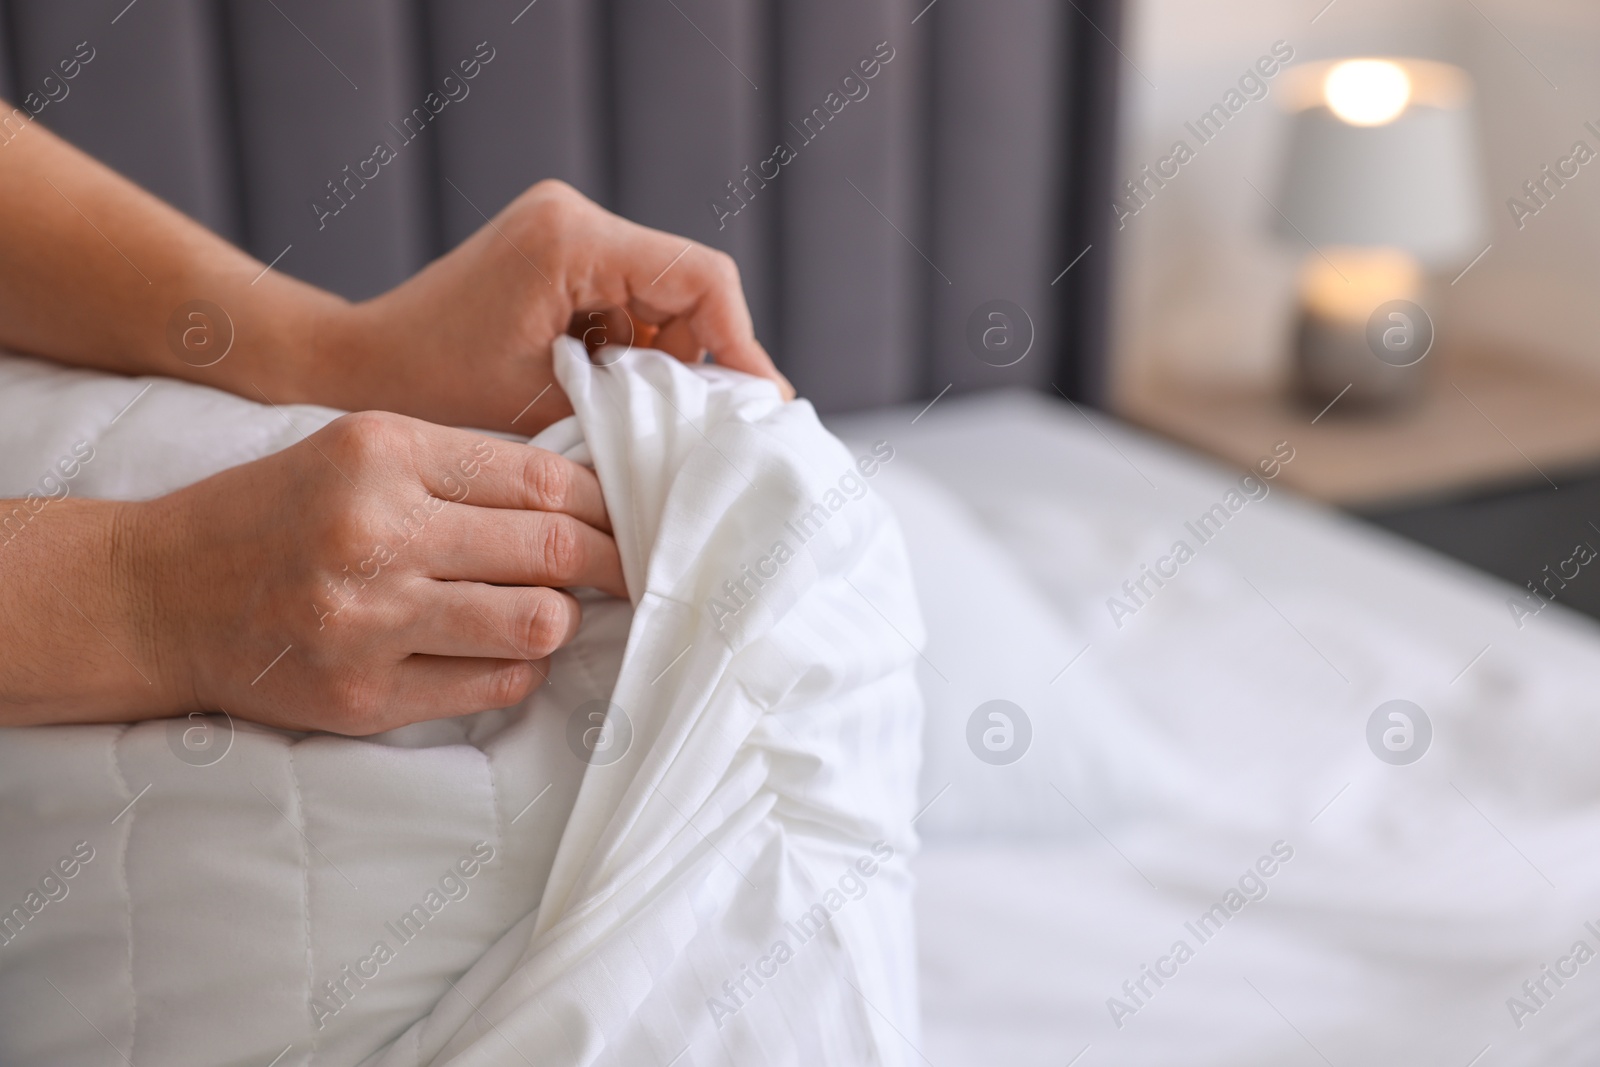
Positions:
{"x": 1492, "y": 450}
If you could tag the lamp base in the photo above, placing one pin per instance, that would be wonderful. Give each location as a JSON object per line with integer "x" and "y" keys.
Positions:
{"x": 1333, "y": 360}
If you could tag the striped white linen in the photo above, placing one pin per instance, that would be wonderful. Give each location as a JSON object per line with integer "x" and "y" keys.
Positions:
{"x": 731, "y": 889}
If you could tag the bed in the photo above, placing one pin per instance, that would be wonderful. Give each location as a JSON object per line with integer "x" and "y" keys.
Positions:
{"x": 1184, "y": 734}
{"x": 1230, "y": 714}
{"x": 1190, "y": 763}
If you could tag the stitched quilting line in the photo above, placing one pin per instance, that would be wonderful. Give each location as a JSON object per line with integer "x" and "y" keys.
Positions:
{"x": 305, "y": 883}
{"x": 127, "y": 890}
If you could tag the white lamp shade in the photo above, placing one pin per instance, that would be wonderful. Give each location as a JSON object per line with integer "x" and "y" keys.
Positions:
{"x": 1413, "y": 183}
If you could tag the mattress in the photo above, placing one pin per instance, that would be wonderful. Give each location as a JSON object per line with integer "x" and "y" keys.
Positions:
{"x": 1187, "y": 736}
{"x": 687, "y": 847}
{"x": 1115, "y": 767}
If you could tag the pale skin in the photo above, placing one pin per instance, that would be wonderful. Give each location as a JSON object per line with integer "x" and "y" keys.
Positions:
{"x": 116, "y": 612}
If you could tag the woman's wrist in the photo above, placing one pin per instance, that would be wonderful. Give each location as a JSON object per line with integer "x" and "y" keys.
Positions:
{"x": 287, "y": 342}
{"x": 145, "y": 563}
{"x": 85, "y": 637}
{"x": 339, "y": 362}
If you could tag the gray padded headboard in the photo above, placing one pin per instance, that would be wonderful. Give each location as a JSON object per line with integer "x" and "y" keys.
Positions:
{"x": 968, "y": 168}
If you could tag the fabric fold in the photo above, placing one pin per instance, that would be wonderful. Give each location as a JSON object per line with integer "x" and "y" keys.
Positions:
{"x": 774, "y": 723}
{"x": 688, "y": 847}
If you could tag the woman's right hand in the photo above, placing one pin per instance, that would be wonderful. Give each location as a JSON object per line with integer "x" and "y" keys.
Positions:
{"x": 381, "y": 572}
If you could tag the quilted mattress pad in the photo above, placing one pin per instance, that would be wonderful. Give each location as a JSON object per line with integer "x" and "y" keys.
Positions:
{"x": 688, "y": 847}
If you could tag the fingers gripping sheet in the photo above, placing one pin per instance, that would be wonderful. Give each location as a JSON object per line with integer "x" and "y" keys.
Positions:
{"x": 732, "y": 888}
{"x": 689, "y": 847}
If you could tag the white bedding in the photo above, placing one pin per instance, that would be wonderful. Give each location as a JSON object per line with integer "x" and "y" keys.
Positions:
{"x": 1167, "y": 758}
{"x": 535, "y": 907}
{"x": 1214, "y": 723}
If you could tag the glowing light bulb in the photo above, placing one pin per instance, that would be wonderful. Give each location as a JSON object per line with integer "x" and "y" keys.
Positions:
{"x": 1367, "y": 92}
{"x": 1344, "y": 284}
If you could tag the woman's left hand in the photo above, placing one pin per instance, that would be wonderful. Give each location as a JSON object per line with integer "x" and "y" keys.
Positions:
{"x": 96, "y": 272}
{"x": 467, "y": 341}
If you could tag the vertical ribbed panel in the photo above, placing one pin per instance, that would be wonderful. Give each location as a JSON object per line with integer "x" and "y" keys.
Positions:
{"x": 533, "y": 112}
{"x": 319, "y": 87}
{"x": 691, "y": 83}
{"x": 996, "y": 181}
{"x": 8, "y": 82}
{"x": 1091, "y": 65}
{"x": 151, "y": 102}
{"x": 853, "y": 282}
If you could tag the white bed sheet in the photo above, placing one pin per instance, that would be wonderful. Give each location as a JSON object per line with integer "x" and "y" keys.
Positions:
{"x": 1226, "y": 715}
{"x": 1170, "y": 753}
{"x": 726, "y": 886}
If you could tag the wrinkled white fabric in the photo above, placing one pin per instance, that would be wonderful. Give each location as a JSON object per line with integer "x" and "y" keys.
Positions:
{"x": 625, "y": 910}
{"x": 1419, "y": 899}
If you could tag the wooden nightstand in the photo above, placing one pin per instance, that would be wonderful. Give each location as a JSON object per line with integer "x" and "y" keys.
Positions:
{"x": 1497, "y": 466}
{"x": 1480, "y": 423}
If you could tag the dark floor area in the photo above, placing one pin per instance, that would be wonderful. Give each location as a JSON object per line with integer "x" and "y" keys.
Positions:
{"x": 1517, "y": 532}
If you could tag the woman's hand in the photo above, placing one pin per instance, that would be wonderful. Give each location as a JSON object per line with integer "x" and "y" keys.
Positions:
{"x": 466, "y": 342}
{"x": 381, "y": 572}
{"x": 97, "y": 272}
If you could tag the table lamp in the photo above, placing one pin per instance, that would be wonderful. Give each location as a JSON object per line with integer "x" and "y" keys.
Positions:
{"x": 1382, "y": 181}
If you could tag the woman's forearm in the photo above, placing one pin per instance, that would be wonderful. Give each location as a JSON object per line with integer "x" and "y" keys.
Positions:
{"x": 95, "y": 271}
{"x": 75, "y": 625}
